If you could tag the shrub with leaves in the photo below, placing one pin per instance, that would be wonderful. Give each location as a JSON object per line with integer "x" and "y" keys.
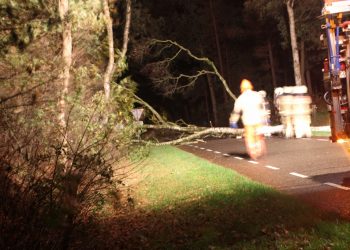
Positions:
{"x": 50, "y": 178}
{"x": 36, "y": 185}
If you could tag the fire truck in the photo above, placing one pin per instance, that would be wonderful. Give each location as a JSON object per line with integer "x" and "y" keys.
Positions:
{"x": 336, "y": 67}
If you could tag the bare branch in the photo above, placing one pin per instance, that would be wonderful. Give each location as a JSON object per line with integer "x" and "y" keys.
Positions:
{"x": 3, "y": 100}
{"x": 157, "y": 115}
{"x": 191, "y": 79}
{"x": 205, "y": 60}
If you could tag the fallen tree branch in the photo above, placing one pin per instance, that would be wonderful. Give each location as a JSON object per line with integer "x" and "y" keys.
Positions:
{"x": 155, "y": 113}
{"x": 196, "y": 133}
{"x": 201, "y": 59}
{"x": 190, "y": 128}
{"x": 200, "y": 134}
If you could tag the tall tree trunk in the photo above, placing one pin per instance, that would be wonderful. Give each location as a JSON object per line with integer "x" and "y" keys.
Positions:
{"x": 63, "y": 8}
{"x": 304, "y": 69}
{"x": 66, "y": 60}
{"x": 109, "y": 26}
{"x": 187, "y": 113}
{"x": 272, "y": 64}
{"x": 228, "y": 72}
{"x": 293, "y": 39}
{"x": 213, "y": 100}
{"x": 207, "y": 104}
{"x": 302, "y": 62}
{"x": 126, "y": 28}
{"x": 110, "y": 66}
{"x": 308, "y": 79}
{"x": 218, "y": 47}
{"x": 309, "y": 83}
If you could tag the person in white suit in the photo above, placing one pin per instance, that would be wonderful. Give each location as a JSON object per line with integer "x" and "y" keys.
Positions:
{"x": 250, "y": 107}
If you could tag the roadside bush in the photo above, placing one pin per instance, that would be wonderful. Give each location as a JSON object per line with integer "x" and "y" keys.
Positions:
{"x": 51, "y": 180}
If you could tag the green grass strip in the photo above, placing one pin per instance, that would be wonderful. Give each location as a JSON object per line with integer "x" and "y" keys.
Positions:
{"x": 194, "y": 204}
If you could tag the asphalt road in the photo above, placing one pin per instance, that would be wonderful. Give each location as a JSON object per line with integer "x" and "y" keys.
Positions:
{"x": 313, "y": 169}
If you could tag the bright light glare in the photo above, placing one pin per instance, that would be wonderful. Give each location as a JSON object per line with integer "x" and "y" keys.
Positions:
{"x": 340, "y": 141}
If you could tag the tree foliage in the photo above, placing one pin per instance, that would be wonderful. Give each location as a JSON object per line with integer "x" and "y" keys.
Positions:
{"x": 303, "y": 15}
{"x": 306, "y": 18}
{"x": 36, "y": 189}
{"x": 52, "y": 178}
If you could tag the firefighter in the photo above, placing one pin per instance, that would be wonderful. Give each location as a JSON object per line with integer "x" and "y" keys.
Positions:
{"x": 267, "y": 113}
{"x": 301, "y": 112}
{"x": 285, "y": 103}
{"x": 249, "y": 106}
{"x": 278, "y": 92}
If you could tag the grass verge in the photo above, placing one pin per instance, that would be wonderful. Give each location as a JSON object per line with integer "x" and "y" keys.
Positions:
{"x": 321, "y": 133}
{"x": 189, "y": 203}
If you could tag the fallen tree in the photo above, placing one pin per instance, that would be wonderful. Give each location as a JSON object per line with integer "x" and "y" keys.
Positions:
{"x": 186, "y": 133}
{"x": 171, "y": 83}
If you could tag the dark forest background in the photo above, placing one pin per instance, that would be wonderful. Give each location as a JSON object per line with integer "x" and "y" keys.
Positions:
{"x": 242, "y": 41}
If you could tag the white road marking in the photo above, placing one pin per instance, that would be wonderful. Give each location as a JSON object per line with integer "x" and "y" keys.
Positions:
{"x": 271, "y": 167}
{"x": 276, "y": 168}
{"x": 336, "y": 186}
{"x": 253, "y": 162}
{"x": 299, "y": 175}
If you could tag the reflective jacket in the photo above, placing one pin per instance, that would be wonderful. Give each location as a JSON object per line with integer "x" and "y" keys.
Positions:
{"x": 250, "y": 105}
